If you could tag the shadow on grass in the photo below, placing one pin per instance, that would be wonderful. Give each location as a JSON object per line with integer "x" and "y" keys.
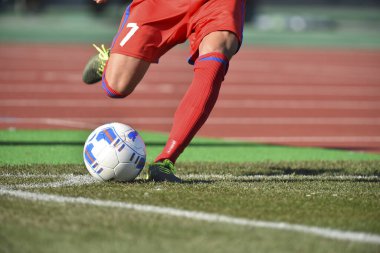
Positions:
{"x": 309, "y": 171}
{"x": 214, "y": 173}
{"x": 188, "y": 182}
{"x": 284, "y": 168}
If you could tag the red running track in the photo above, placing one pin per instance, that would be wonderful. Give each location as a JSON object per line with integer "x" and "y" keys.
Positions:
{"x": 299, "y": 97}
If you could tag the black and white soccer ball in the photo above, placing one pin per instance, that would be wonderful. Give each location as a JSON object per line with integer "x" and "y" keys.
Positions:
{"x": 114, "y": 151}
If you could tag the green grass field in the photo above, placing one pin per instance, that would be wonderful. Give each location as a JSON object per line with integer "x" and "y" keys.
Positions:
{"x": 48, "y": 196}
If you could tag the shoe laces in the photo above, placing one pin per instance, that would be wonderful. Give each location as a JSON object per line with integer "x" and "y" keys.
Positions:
{"x": 168, "y": 165}
{"x": 103, "y": 58}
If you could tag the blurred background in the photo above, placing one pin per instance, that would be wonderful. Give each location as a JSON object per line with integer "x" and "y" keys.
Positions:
{"x": 349, "y": 23}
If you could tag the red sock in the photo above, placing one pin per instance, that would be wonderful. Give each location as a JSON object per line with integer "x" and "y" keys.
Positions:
{"x": 196, "y": 105}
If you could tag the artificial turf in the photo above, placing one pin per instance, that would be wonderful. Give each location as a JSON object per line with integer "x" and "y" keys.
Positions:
{"x": 252, "y": 181}
{"x": 63, "y": 147}
{"x": 329, "y": 202}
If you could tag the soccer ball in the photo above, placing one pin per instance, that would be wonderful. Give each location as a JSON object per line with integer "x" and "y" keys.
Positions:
{"x": 114, "y": 151}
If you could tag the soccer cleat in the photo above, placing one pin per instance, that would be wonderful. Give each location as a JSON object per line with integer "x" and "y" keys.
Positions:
{"x": 162, "y": 171}
{"x": 95, "y": 66}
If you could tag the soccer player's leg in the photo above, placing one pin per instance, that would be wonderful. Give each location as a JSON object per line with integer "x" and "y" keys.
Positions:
{"x": 215, "y": 50}
{"x": 217, "y": 35}
{"x": 223, "y": 42}
{"x": 122, "y": 73}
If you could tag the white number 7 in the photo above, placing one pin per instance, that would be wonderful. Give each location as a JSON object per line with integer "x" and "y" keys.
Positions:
{"x": 134, "y": 27}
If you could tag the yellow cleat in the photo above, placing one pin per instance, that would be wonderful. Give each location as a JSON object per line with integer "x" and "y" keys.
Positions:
{"x": 95, "y": 66}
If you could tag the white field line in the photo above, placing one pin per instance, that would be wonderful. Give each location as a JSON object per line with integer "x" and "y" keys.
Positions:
{"x": 199, "y": 216}
{"x": 65, "y": 180}
{"x": 29, "y": 175}
{"x": 235, "y": 121}
{"x": 70, "y": 179}
{"x": 170, "y": 103}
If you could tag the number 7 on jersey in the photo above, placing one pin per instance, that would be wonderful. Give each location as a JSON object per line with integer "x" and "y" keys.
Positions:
{"x": 134, "y": 27}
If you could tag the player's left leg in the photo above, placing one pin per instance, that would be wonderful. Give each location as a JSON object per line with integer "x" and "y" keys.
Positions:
{"x": 215, "y": 50}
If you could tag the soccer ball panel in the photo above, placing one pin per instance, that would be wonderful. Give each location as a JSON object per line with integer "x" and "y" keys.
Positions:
{"x": 92, "y": 171}
{"x": 106, "y": 173}
{"x": 120, "y": 128}
{"x": 100, "y": 172}
{"x": 133, "y": 137}
{"x": 107, "y": 157}
{"x": 125, "y": 154}
{"x": 126, "y": 172}
{"x": 137, "y": 143}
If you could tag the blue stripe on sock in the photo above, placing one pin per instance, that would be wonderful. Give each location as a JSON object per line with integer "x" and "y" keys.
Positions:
{"x": 104, "y": 86}
{"x": 127, "y": 12}
{"x": 213, "y": 58}
{"x": 110, "y": 92}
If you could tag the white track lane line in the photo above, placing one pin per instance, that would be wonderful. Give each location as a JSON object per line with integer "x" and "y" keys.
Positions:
{"x": 27, "y": 86}
{"x": 93, "y": 123}
{"x": 171, "y": 103}
{"x": 80, "y": 124}
{"x": 199, "y": 216}
{"x": 235, "y": 121}
{"x": 308, "y": 139}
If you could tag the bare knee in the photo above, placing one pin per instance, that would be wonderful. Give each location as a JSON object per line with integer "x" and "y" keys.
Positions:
{"x": 123, "y": 74}
{"x": 224, "y": 42}
{"x": 116, "y": 86}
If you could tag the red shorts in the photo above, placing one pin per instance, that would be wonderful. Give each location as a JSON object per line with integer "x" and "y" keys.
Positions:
{"x": 150, "y": 28}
